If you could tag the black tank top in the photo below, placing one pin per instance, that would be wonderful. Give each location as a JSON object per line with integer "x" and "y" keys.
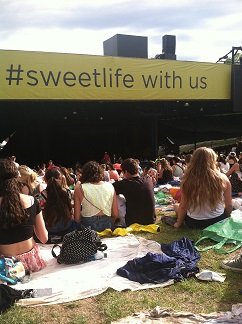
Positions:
{"x": 23, "y": 231}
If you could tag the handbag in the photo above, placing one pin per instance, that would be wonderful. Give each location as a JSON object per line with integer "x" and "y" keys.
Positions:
{"x": 78, "y": 246}
{"x": 12, "y": 271}
{"x": 228, "y": 230}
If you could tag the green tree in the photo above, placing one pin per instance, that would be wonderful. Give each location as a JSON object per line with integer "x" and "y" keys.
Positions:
{"x": 236, "y": 59}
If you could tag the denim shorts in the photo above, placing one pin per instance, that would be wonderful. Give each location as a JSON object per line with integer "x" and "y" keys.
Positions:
{"x": 97, "y": 223}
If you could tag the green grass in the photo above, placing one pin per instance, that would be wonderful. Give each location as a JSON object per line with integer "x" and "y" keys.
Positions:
{"x": 190, "y": 295}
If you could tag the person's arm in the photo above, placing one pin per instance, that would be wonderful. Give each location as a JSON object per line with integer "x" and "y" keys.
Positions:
{"x": 78, "y": 197}
{"x": 115, "y": 211}
{"x": 227, "y": 198}
{"x": 160, "y": 175}
{"x": 181, "y": 213}
{"x": 25, "y": 190}
{"x": 40, "y": 229}
{"x": 234, "y": 168}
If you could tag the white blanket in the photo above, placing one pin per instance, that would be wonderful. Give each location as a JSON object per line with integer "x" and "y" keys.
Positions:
{"x": 74, "y": 282}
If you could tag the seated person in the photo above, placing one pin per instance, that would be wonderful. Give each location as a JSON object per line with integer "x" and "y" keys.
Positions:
{"x": 177, "y": 167}
{"x": 165, "y": 172}
{"x": 222, "y": 163}
{"x": 113, "y": 173}
{"x": 205, "y": 192}
{"x": 138, "y": 193}
{"x": 150, "y": 171}
{"x": 28, "y": 180}
{"x": 95, "y": 202}
{"x": 20, "y": 218}
{"x": 69, "y": 180}
{"x": 235, "y": 176}
{"x": 56, "y": 205}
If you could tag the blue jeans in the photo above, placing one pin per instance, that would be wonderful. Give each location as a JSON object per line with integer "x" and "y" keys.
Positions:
{"x": 97, "y": 223}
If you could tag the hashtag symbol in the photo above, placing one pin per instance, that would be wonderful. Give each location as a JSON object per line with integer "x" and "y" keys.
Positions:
{"x": 14, "y": 74}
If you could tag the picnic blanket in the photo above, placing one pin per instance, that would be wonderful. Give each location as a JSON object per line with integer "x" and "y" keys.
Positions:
{"x": 74, "y": 282}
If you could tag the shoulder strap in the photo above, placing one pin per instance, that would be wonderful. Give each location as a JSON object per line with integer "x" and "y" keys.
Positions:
{"x": 43, "y": 195}
{"x": 88, "y": 199}
{"x": 217, "y": 247}
{"x": 53, "y": 252}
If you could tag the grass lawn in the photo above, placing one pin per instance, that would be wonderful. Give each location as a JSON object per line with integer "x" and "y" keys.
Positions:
{"x": 190, "y": 295}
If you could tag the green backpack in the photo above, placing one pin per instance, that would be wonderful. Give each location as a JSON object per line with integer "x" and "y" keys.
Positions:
{"x": 228, "y": 230}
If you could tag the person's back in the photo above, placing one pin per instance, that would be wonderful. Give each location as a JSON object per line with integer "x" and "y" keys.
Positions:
{"x": 56, "y": 205}
{"x": 95, "y": 203}
{"x": 205, "y": 192}
{"x": 20, "y": 218}
{"x": 177, "y": 167}
{"x": 139, "y": 195}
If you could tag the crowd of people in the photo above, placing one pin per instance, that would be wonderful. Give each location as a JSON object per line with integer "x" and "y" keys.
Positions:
{"x": 43, "y": 204}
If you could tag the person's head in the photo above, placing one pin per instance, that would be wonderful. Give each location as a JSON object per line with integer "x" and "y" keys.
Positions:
{"x": 11, "y": 210}
{"x": 188, "y": 158}
{"x": 50, "y": 162}
{"x": 53, "y": 174}
{"x": 150, "y": 164}
{"x": 221, "y": 158}
{"x": 104, "y": 166}
{"x": 202, "y": 182}
{"x": 131, "y": 166}
{"x": 58, "y": 205}
{"x": 68, "y": 181}
{"x": 8, "y": 173}
{"x": 203, "y": 159}
{"x": 138, "y": 161}
{"x": 13, "y": 158}
{"x": 232, "y": 156}
{"x": 91, "y": 172}
{"x": 165, "y": 164}
{"x": 176, "y": 160}
{"x": 27, "y": 176}
{"x": 110, "y": 166}
{"x": 43, "y": 166}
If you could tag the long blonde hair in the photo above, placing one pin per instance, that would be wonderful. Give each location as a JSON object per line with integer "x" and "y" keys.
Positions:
{"x": 28, "y": 176}
{"x": 202, "y": 182}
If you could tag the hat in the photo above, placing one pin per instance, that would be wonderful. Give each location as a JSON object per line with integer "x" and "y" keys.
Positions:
{"x": 117, "y": 166}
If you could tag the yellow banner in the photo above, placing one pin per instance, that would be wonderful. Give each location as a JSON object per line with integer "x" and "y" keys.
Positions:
{"x": 40, "y": 75}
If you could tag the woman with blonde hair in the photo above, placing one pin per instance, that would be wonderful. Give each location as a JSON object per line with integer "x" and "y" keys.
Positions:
{"x": 29, "y": 183}
{"x": 206, "y": 196}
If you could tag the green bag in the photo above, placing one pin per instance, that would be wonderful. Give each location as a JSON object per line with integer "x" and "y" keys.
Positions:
{"x": 228, "y": 230}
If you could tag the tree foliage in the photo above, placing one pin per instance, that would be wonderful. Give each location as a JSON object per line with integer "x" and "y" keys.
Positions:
{"x": 236, "y": 59}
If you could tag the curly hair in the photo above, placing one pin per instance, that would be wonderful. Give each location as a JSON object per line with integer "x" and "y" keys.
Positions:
{"x": 58, "y": 204}
{"x": 92, "y": 172}
{"x": 12, "y": 212}
{"x": 202, "y": 182}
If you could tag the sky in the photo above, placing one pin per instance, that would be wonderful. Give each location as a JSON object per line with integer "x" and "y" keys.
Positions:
{"x": 205, "y": 30}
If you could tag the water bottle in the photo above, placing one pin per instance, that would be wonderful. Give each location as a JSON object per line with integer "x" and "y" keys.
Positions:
{"x": 97, "y": 256}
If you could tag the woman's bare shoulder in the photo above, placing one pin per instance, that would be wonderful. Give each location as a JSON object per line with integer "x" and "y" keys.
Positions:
{"x": 27, "y": 201}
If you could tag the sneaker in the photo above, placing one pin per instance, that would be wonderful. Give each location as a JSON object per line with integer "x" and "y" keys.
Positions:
{"x": 234, "y": 264}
